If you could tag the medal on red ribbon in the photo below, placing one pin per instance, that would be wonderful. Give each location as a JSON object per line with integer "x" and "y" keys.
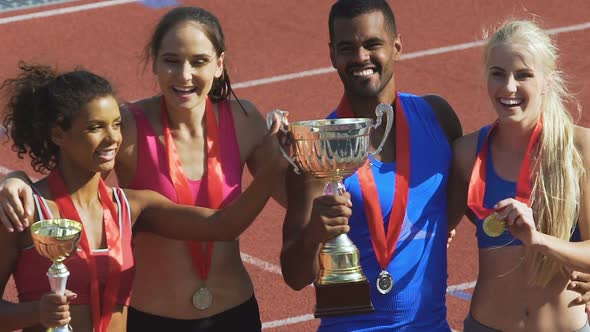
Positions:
{"x": 492, "y": 225}
{"x": 384, "y": 246}
{"x": 102, "y": 305}
{"x": 202, "y": 298}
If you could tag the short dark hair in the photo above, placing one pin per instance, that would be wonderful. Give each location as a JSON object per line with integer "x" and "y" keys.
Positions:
{"x": 40, "y": 98}
{"x": 353, "y": 8}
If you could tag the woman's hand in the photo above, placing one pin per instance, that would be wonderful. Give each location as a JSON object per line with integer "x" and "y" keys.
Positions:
{"x": 518, "y": 218}
{"x": 16, "y": 204}
{"x": 269, "y": 147}
{"x": 329, "y": 217}
{"x": 580, "y": 282}
{"x": 54, "y": 309}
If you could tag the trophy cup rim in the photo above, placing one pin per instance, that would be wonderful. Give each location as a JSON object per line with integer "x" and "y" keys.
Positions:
{"x": 70, "y": 224}
{"x": 69, "y": 240}
{"x": 62, "y": 222}
{"x": 331, "y": 122}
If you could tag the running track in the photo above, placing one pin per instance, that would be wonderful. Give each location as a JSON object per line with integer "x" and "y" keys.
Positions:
{"x": 278, "y": 58}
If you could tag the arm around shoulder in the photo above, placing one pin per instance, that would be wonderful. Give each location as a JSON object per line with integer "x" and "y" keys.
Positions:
{"x": 464, "y": 149}
{"x": 251, "y": 128}
{"x": 185, "y": 222}
{"x": 17, "y": 208}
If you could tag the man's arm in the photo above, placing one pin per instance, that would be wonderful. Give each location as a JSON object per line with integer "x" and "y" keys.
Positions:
{"x": 458, "y": 183}
{"x": 451, "y": 126}
{"x": 307, "y": 225}
{"x": 447, "y": 118}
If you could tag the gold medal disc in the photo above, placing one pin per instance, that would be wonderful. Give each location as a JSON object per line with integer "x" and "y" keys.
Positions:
{"x": 492, "y": 226}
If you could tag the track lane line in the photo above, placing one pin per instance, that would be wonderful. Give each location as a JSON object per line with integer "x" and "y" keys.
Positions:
{"x": 407, "y": 56}
{"x": 64, "y": 10}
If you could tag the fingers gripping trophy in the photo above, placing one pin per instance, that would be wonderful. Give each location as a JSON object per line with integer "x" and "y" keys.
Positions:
{"x": 334, "y": 149}
{"x": 56, "y": 239}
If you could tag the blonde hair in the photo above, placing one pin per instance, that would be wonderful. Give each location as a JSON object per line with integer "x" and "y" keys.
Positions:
{"x": 557, "y": 166}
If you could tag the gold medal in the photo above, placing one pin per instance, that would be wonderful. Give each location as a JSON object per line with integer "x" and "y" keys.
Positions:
{"x": 492, "y": 226}
{"x": 202, "y": 299}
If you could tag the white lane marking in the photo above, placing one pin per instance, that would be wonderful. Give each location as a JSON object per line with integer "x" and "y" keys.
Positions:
{"x": 281, "y": 78}
{"x": 570, "y": 28}
{"x": 407, "y": 56}
{"x": 65, "y": 10}
{"x": 264, "y": 265}
{"x": 8, "y": 5}
{"x": 294, "y": 320}
{"x": 287, "y": 321}
{"x": 461, "y": 287}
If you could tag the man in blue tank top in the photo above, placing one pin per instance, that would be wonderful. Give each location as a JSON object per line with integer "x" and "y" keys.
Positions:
{"x": 364, "y": 48}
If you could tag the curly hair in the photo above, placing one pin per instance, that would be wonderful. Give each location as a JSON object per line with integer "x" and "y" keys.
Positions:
{"x": 40, "y": 98}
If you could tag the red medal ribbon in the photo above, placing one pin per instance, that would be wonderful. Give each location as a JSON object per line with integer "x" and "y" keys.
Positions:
{"x": 101, "y": 314}
{"x": 201, "y": 261}
{"x": 477, "y": 182}
{"x": 383, "y": 246}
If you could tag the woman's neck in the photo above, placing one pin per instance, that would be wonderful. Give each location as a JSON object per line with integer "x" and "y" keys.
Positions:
{"x": 514, "y": 136}
{"x": 82, "y": 185}
{"x": 187, "y": 121}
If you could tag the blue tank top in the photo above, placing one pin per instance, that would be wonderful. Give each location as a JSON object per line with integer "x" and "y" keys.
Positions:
{"x": 419, "y": 266}
{"x": 498, "y": 189}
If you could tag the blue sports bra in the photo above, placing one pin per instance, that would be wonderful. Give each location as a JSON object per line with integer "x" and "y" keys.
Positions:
{"x": 498, "y": 189}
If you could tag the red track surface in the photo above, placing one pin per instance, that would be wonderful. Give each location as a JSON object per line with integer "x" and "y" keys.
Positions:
{"x": 266, "y": 38}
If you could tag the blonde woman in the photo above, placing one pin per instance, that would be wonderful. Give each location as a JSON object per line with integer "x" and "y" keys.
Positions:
{"x": 523, "y": 181}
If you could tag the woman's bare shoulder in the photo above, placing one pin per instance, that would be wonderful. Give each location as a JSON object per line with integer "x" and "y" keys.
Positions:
{"x": 466, "y": 145}
{"x": 147, "y": 105}
{"x": 244, "y": 107}
{"x": 246, "y": 115}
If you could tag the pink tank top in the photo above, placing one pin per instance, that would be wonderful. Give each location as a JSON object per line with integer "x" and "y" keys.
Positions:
{"x": 31, "y": 268}
{"x": 152, "y": 166}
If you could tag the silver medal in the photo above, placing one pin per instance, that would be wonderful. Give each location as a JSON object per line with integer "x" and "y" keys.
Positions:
{"x": 384, "y": 282}
{"x": 202, "y": 298}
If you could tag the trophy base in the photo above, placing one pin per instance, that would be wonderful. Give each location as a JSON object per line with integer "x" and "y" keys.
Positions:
{"x": 342, "y": 299}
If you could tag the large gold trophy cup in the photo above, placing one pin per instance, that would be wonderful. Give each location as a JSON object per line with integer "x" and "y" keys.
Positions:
{"x": 334, "y": 149}
{"x": 56, "y": 239}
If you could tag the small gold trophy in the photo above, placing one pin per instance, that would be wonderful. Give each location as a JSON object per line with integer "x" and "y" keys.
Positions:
{"x": 56, "y": 239}
{"x": 334, "y": 149}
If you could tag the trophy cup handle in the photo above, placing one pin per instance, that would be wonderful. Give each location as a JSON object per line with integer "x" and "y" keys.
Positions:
{"x": 284, "y": 127}
{"x": 379, "y": 110}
